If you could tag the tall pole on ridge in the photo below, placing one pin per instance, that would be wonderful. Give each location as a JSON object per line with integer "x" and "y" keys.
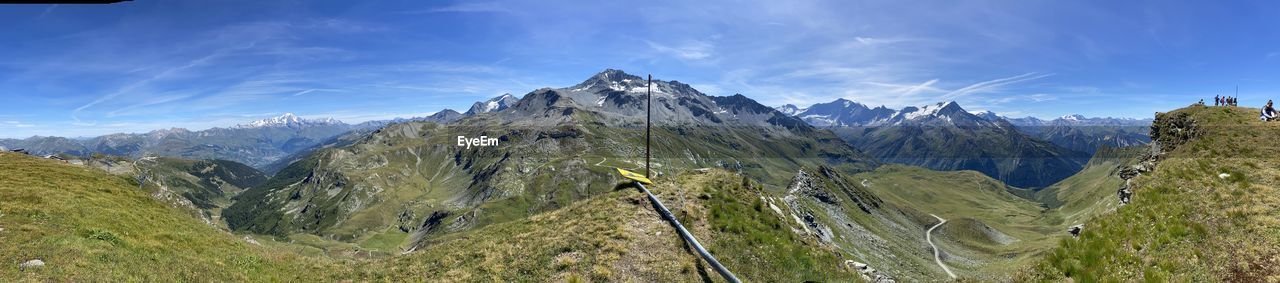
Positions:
{"x": 648, "y": 118}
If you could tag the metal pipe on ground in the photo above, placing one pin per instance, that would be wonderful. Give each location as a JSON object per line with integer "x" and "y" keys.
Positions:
{"x": 688, "y": 237}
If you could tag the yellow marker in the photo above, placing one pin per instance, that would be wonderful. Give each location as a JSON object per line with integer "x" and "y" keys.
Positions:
{"x": 634, "y": 176}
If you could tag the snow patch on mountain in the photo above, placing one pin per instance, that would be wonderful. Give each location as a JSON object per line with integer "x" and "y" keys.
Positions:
{"x": 493, "y": 104}
{"x": 288, "y": 120}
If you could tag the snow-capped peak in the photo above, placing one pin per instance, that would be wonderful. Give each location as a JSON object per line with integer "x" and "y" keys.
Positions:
{"x": 790, "y": 109}
{"x": 987, "y": 114}
{"x": 288, "y": 119}
{"x": 931, "y": 110}
{"x": 1073, "y": 117}
{"x": 493, "y": 104}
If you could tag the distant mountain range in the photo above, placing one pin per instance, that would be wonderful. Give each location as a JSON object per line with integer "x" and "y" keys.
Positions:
{"x": 1083, "y": 134}
{"x": 943, "y": 136}
{"x": 1075, "y": 132}
{"x": 257, "y": 143}
{"x": 843, "y": 112}
{"x": 1071, "y": 120}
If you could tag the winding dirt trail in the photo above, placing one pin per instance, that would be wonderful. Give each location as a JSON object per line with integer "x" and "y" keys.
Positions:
{"x": 928, "y": 237}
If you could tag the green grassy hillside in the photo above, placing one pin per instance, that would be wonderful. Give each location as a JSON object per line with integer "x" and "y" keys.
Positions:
{"x": 617, "y": 236}
{"x": 989, "y": 230}
{"x": 87, "y": 225}
{"x": 1208, "y": 212}
{"x": 1092, "y": 191}
{"x": 381, "y": 191}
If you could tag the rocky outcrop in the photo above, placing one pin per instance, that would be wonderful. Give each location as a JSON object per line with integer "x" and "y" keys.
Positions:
{"x": 869, "y": 274}
{"x": 805, "y": 184}
{"x": 1168, "y": 132}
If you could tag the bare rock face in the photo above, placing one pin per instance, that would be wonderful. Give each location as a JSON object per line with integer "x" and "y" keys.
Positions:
{"x": 805, "y": 184}
{"x": 1168, "y": 131}
{"x": 1171, "y": 130}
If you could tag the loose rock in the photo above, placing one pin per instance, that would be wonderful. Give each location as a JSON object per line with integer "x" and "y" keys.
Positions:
{"x": 31, "y": 264}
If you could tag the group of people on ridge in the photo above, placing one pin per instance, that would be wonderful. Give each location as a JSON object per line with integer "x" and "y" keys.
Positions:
{"x": 1224, "y": 100}
{"x": 1268, "y": 112}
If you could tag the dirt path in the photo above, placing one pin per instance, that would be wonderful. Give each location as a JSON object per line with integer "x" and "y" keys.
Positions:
{"x": 928, "y": 236}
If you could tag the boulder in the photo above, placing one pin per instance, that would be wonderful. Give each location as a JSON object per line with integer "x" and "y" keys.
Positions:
{"x": 855, "y": 265}
{"x": 1124, "y": 193}
{"x": 251, "y": 240}
{"x": 31, "y": 264}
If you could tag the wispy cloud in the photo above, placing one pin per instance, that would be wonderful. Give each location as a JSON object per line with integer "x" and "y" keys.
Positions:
{"x": 47, "y": 11}
{"x": 880, "y": 40}
{"x": 993, "y": 85}
{"x": 691, "y": 50}
{"x": 130, "y": 110}
{"x": 310, "y": 90}
{"x": 467, "y": 7}
{"x": 142, "y": 83}
{"x": 17, "y": 124}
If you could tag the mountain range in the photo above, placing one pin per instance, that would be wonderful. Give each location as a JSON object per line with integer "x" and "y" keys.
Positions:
{"x": 258, "y": 143}
{"x": 1079, "y": 133}
{"x": 772, "y": 196}
{"x": 944, "y": 136}
{"x": 412, "y": 182}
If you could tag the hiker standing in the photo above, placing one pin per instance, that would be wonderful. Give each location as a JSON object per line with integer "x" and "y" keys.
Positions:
{"x": 1217, "y": 100}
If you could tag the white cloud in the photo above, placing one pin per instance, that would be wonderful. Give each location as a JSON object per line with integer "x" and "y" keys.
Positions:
{"x": 691, "y": 50}
{"x": 993, "y": 85}
{"x": 469, "y": 7}
{"x": 17, "y": 124}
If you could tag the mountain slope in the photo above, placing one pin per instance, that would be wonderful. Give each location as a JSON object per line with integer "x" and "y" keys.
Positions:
{"x": 1092, "y": 191}
{"x": 87, "y": 225}
{"x": 617, "y": 236}
{"x": 945, "y": 137}
{"x": 1204, "y": 213}
{"x": 1089, "y": 139}
{"x": 413, "y": 182}
{"x": 203, "y": 186}
{"x": 880, "y": 218}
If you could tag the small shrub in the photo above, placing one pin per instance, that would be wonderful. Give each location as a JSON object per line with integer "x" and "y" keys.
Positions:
{"x": 104, "y": 235}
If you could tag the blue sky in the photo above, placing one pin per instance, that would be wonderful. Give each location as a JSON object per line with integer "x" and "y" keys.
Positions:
{"x": 81, "y": 70}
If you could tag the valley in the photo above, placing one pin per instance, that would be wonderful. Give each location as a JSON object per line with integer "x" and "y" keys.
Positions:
{"x": 773, "y": 197}
{"x": 610, "y": 141}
